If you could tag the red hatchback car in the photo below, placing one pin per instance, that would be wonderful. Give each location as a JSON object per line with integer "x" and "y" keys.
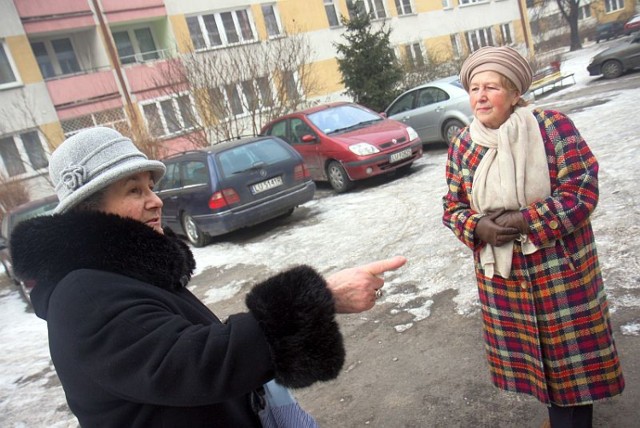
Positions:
{"x": 343, "y": 142}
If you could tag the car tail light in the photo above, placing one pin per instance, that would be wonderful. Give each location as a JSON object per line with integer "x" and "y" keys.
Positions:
{"x": 223, "y": 198}
{"x": 300, "y": 172}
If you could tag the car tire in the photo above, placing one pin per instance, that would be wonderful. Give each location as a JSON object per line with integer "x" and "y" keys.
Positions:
{"x": 338, "y": 177}
{"x": 611, "y": 69}
{"x": 450, "y": 129}
{"x": 193, "y": 233}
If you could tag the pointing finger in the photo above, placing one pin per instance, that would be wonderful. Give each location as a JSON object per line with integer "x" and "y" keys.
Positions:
{"x": 382, "y": 266}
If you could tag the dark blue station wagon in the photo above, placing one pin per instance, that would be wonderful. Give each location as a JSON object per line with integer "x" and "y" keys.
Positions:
{"x": 232, "y": 185}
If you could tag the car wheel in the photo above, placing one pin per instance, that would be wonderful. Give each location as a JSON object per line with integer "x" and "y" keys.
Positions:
{"x": 451, "y": 129}
{"x": 338, "y": 177}
{"x": 612, "y": 69}
{"x": 197, "y": 237}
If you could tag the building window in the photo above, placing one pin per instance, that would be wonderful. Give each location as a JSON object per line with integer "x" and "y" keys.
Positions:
{"x": 413, "y": 55}
{"x": 221, "y": 29}
{"x": 113, "y": 118}
{"x": 55, "y": 57}
{"x": 169, "y": 116}
{"x": 446, "y": 4}
{"x": 462, "y": 2}
{"x": 404, "y": 7}
{"x": 332, "y": 15}
{"x": 505, "y": 32}
{"x": 23, "y": 153}
{"x": 456, "y": 46}
{"x": 291, "y": 90}
{"x": 584, "y": 12}
{"x": 7, "y": 69}
{"x": 613, "y": 5}
{"x": 271, "y": 20}
{"x": 479, "y": 38}
{"x": 375, "y": 8}
{"x": 135, "y": 45}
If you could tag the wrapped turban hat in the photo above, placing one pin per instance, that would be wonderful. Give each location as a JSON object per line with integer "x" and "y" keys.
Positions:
{"x": 503, "y": 60}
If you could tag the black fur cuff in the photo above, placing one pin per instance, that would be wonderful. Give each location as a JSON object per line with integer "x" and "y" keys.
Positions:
{"x": 295, "y": 309}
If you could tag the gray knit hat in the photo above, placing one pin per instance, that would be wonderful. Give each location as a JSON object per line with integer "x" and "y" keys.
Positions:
{"x": 93, "y": 159}
{"x": 504, "y": 60}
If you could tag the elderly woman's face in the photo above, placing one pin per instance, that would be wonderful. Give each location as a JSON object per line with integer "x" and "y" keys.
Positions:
{"x": 491, "y": 102}
{"x": 133, "y": 197}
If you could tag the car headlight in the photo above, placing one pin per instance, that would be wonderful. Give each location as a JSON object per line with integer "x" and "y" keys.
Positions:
{"x": 412, "y": 133}
{"x": 363, "y": 149}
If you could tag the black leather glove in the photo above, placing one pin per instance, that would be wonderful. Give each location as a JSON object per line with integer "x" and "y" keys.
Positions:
{"x": 513, "y": 219}
{"x": 491, "y": 233}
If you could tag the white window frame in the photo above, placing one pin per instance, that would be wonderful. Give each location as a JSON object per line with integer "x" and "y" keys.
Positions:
{"x": 413, "y": 51}
{"x": 584, "y": 12}
{"x": 456, "y": 45}
{"x": 487, "y": 32}
{"x": 472, "y": 2}
{"x": 53, "y": 57}
{"x": 372, "y": 10}
{"x": 506, "y": 30}
{"x": 331, "y": 5}
{"x": 163, "y": 119}
{"x": 611, "y": 6}
{"x": 137, "y": 53}
{"x": 221, "y": 29}
{"x": 404, "y": 7}
{"x": 12, "y": 66}
{"x": 24, "y": 155}
{"x": 276, "y": 17}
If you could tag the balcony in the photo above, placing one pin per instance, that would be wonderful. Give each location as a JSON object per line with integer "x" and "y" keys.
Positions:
{"x": 131, "y": 10}
{"x": 45, "y": 16}
{"x": 79, "y": 94}
{"x": 153, "y": 79}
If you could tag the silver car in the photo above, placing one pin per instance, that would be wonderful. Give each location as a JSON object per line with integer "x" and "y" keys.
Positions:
{"x": 436, "y": 110}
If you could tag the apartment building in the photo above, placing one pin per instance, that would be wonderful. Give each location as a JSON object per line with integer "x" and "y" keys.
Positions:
{"x": 73, "y": 64}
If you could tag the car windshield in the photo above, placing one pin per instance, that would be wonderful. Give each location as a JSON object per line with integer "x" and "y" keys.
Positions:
{"x": 33, "y": 212}
{"x": 251, "y": 156}
{"x": 342, "y": 118}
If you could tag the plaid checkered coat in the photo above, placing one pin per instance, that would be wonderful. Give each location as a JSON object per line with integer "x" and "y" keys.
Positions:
{"x": 546, "y": 327}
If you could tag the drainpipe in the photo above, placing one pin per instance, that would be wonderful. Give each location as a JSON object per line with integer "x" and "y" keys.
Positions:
{"x": 525, "y": 32}
{"x": 115, "y": 60}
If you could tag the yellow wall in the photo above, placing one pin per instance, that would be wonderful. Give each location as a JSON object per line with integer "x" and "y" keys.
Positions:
{"x": 421, "y": 6}
{"x": 300, "y": 15}
{"x": 23, "y": 58}
{"x": 181, "y": 32}
{"x": 53, "y": 134}
{"x": 329, "y": 78}
{"x": 439, "y": 48}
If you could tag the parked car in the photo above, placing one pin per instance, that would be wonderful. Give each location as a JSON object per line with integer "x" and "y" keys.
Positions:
{"x": 632, "y": 25}
{"x": 436, "y": 110}
{"x": 232, "y": 185}
{"x": 11, "y": 219}
{"x": 609, "y": 30}
{"x": 344, "y": 142}
{"x": 614, "y": 61}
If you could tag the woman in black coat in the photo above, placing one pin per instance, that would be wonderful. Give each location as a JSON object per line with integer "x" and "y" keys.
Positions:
{"x": 132, "y": 346}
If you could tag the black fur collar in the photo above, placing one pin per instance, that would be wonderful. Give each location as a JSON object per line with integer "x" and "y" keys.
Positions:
{"x": 48, "y": 248}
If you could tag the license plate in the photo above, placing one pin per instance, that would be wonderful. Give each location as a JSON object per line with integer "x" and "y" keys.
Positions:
{"x": 395, "y": 157}
{"x": 266, "y": 185}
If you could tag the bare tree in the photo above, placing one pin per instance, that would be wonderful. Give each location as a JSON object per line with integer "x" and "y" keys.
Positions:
{"x": 237, "y": 90}
{"x": 438, "y": 64}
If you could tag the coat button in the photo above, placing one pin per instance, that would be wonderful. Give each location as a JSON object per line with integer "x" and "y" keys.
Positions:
{"x": 523, "y": 285}
{"x": 553, "y": 224}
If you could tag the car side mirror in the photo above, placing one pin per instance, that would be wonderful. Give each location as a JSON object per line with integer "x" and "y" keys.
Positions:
{"x": 383, "y": 114}
{"x": 308, "y": 138}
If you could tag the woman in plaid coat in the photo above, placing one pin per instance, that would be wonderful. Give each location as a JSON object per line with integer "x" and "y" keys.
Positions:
{"x": 522, "y": 185}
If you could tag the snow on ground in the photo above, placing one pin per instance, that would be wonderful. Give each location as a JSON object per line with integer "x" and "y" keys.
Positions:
{"x": 400, "y": 216}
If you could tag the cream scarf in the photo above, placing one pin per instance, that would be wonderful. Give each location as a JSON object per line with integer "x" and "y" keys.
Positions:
{"x": 512, "y": 174}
